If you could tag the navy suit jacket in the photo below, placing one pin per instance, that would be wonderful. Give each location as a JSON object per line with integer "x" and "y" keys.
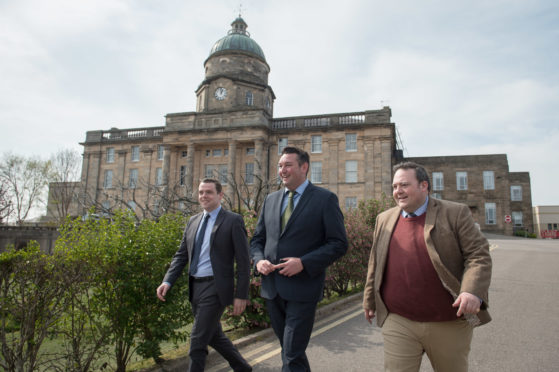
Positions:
{"x": 315, "y": 233}
{"x": 228, "y": 244}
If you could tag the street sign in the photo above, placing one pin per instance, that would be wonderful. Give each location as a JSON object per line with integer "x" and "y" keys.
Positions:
{"x": 508, "y": 219}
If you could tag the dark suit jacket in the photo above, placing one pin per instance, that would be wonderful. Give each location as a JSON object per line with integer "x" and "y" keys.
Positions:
{"x": 315, "y": 233}
{"x": 457, "y": 248}
{"x": 228, "y": 244}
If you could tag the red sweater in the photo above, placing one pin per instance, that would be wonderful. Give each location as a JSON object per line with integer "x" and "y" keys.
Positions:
{"x": 411, "y": 287}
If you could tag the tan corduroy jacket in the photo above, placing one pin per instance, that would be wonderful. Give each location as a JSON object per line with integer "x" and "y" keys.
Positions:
{"x": 458, "y": 250}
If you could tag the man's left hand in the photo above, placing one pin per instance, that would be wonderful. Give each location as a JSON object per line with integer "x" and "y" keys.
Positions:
{"x": 239, "y": 306}
{"x": 467, "y": 303}
{"x": 290, "y": 266}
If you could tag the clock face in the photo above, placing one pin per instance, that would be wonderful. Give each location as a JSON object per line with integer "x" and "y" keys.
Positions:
{"x": 220, "y": 93}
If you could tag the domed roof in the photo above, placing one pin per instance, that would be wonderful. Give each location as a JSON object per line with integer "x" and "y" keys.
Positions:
{"x": 238, "y": 39}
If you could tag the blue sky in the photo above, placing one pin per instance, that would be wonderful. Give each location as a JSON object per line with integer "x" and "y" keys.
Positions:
{"x": 476, "y": 77}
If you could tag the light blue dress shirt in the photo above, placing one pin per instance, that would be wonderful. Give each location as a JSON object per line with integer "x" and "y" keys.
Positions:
{"x": 419, "y": 210}
{"x": 204, "y": 264}
{"x": 299, "y": 191}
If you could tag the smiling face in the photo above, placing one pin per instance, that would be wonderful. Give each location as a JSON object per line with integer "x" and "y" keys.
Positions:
{"x": 408, "y": 192}
{"x": 291, "y": 173}
{"x": 208, "y": 196}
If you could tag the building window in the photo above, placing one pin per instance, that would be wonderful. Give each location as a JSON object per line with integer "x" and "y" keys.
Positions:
{"x": 282, "y": 143}
{"x": 223, "y": 174}
{"x": 106, "y": 207}
{"x": 184, "y": 154}
{"x": 490, "y": 213}
{"x": 132, "y": 205}
{"x": 225, "y": 152}
{"x": 216, "y": 152}
{"x": 158, "y": 176}
{"x": 182, "y": 178}
{"x": 110, "y": 155}
{"x": 438, "y": 181}
{"x": 488, "y": 180}
{"x": 351, "y": 171}
{"x": 249, "y": 99}
{"x": 208, "y": 153}
{"x": 351, "y": 142}
{"x": 160, "y": 152}
{"x": 133, "y": 178}
{"x": 135, "y": 153}
{"x": 108, "y": 181}
{"x": 250, "y": 150}
{"x": 249, "y": 173}
{"x": 461, "y": 180}
{"x": 316, "y": 171}
{"x": 316, "y": 144}
{"x": 516, "y": 193}
{"x": 350, "y": 202}
{"x": 517, "y": 219}
{"x": 436, "y": 195}
{"x": 211, "y": 171}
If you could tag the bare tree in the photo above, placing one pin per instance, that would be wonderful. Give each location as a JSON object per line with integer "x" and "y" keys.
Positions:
{"x": 64, "y": 185}
{"x": 5, "y": 203}
{"x": 144, "y": 198}
{"x": 26, "y": 180}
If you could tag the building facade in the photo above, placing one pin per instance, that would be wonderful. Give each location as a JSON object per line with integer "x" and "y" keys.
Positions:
{"x": 234, "y": 136}
{"x": 500, "y": 200}
{"x": 546, "y": 221}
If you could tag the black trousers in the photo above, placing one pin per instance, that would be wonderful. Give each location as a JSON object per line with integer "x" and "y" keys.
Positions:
{"x": 292, "y": 322}
{"x": 207, "y": 330}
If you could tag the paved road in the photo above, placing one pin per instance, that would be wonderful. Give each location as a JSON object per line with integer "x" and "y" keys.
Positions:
{"x": 523, "y": 336}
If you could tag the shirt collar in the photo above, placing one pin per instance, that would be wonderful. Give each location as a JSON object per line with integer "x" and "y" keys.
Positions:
{"x": 419, "y": 211}
{"x": 299, "y": 190}
{"x": 213, "y": 214}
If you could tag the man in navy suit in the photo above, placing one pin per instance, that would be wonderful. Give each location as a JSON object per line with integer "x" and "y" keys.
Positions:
{"x": 213, "y": 241}
{"x": 300, "y": 232}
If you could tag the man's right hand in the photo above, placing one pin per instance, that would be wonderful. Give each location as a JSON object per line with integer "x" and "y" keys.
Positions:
{"x": 265, "y": 267}
{"x": 369, "y": 315}
{"x": 162, "y": 291}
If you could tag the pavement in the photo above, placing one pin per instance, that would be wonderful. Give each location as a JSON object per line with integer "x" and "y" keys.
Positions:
{"x": 179, "y": 364}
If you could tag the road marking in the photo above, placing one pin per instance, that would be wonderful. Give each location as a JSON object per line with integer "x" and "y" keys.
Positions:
{"x": 277, "y": 350}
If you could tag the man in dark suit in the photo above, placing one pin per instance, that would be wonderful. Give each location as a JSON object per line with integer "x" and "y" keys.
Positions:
{"x": 213, "y": 241}
{"x": 299, "y": 233}
{"x": 428, "y": 278}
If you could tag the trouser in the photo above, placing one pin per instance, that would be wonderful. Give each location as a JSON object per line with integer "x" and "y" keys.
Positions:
{"x": 207, "y": 330}
{"x": 447, "y": 344}
{"x": 292, "y": 322}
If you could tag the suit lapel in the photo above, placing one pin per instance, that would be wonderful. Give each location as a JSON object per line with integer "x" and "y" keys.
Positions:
{"x": 218, "y": 222}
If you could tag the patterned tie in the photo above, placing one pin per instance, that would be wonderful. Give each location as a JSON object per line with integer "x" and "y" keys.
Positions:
{"x": 288, "y": 210}
{"x": 198, "y": 246}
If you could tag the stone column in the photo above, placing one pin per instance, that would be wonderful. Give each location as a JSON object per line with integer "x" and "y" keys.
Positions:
{"x": 386, "y": 168}
{"x": 261, "y": 162}
{"x": 166, "y": 164}
{"x": 231, "y": 168}
{"x": 189, "y": 176}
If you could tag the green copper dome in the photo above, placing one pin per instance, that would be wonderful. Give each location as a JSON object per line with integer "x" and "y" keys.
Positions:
{"x": 238, "y": 39}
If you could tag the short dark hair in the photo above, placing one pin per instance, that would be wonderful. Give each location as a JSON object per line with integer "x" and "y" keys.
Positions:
{"x": 217, "y": 184}
{"x": 302, "y": 155}
{"x": 420, "y": 172}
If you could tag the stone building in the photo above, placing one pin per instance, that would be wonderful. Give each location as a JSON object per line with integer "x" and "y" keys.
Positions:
{"x": 234, "y": 136}
{"x": 500, "y": 201}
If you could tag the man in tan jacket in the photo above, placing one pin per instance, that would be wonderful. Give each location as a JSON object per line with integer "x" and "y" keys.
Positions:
{"x": 428, "y": 277}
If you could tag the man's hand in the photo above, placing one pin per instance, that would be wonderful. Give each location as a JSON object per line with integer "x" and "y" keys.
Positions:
{"x": 265, "y": 267}
{"x": 290, "y": 266}
{"x": 369, "y": 315}
{"x": 467, "y": 303}
{"x": 239, "y": 306}
{"x": 162, "y": 291}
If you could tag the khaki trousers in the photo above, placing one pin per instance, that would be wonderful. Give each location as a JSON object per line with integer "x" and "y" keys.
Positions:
{"x": 447, "y": 344}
